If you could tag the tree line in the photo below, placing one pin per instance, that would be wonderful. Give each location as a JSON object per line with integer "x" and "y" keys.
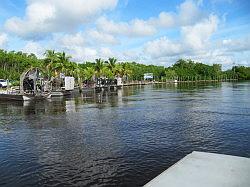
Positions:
{"x": 12, "y": 64}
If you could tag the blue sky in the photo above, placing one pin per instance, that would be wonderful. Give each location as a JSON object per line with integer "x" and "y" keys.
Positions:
{"x": 147, "y": 31}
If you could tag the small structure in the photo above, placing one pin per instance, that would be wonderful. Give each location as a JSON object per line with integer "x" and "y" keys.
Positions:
{"x": 69, "y": 83}
{"x": 148, "y": 76}
{"x": 119, "y": 82}
{"x": 200, "y": 169}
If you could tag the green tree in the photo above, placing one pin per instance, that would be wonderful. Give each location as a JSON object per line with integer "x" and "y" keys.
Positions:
{"x": 89, "y": 73}
{"x": 50, "y": 61}
{"x": 61, "y": 65}
{"x": 111, "y": 64}
{"x": 170, "y": 74}
{"x": 99, "y": 65}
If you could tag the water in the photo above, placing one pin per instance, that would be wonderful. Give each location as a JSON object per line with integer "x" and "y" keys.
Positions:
{"x": 120, "y": 138}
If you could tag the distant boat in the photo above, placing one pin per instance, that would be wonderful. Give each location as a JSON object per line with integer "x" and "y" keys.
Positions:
{"x": 105, "y": 83}
{"x": 63, "y": 86}
{"x": 32, "y": 87}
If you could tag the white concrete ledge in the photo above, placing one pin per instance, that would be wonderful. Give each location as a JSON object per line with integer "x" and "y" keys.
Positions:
{"x": 200, "y": 169}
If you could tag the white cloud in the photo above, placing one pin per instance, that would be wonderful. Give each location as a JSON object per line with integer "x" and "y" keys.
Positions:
{"x": 35, "y": 48}
{"x": 237, "y": 45}
{"x": 87, "y": 38}
{"x": 198, "y": 35}
{"x": 163, "y": 47}
{"x": 165, "y": 19}
{"x": 68, "y": 40}
{"x": 106, "y": 52}
{"x": 43, "y": 17}
{"x": 226, "y": 41}
{"x": 67, "y": 22}
{"x": 131, "y": 55}
{"x": 74, "y": 44}
{"x": 81, "y": 54}
{"x": 81, "y": 47}
{"x": 134, "y": 28}
{"x": 187, "y": 13}
{"x": 3, "y": 40}
{"x": 102, "y": 38}
{"x": 193, "y": 39}
{"x": 212, "y": 56}
{"x": 78, "y": 46}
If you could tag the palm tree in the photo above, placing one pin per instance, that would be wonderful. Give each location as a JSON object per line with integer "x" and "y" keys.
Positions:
{"x": 77, "y": 72}
{"x": 106, "y": 72}
{"x": 111, "y": 64}
{"x": 62, "y": 62}
{"x": 118, "y": 70}
{"x": 99, "y": 65}
{"x": 89, "y": 73}
{"x": 126, "y": 71}
{"x": 50, "y": 60}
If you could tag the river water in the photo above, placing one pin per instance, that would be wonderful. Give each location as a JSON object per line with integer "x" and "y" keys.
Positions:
{"x": 120, "y": 138}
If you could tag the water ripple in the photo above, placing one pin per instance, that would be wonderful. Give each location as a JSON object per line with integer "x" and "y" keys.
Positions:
{"x": 123, "y": 138}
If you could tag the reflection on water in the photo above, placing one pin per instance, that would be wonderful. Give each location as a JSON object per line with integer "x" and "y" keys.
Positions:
{"x": 120, "y": 138}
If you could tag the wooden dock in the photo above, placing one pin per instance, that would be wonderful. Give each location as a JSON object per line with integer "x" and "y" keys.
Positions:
{"x": 200, "y": 169}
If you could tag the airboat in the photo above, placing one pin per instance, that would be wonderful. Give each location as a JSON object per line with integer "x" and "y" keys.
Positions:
{"x": 62, "y": 86}
{"x": 33, "y": 86}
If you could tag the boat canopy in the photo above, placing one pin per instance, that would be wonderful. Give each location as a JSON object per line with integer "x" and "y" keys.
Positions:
{"x": 31, "y": 81}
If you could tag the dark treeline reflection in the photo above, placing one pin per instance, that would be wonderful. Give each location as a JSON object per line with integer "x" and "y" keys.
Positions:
{"x": 101, "y": 99}
{"x": 121, "y": 137}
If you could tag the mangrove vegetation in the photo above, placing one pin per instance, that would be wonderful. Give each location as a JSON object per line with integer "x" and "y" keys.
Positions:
{"x": 12, "y": 64}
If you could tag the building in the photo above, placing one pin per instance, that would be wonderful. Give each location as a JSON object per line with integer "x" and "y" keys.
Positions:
{"x": 148, "y": 76}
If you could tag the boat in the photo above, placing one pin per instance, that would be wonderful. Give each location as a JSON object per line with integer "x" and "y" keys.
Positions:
{"x": 23, "y": 97}
{"x": 32, "y": 87}
{"x": 109, "y": 84}
{"x": 62, "y": 86}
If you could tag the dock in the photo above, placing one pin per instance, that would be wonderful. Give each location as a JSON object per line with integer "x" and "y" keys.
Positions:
{"x": 200, "y": 169}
